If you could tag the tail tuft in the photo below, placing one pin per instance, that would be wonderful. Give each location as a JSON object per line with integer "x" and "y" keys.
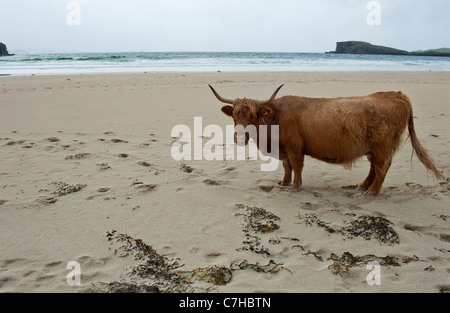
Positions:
{"x": 421, "y": 152}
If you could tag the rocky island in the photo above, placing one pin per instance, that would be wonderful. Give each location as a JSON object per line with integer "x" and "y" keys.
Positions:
{"x": 361, "y": 47}
{"x": 4, "y": 50}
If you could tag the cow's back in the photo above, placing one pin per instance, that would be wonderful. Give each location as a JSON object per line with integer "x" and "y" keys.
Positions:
{"x": 339, "y": 130}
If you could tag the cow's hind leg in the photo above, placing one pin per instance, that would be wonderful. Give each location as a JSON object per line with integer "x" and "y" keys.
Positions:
{"x": 371, "y": 177}
{"x": 381, "y": 167}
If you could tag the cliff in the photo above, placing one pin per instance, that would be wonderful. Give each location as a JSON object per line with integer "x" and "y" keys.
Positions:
{"x": 361, "y": 47}
{"x": 4, "y": 50}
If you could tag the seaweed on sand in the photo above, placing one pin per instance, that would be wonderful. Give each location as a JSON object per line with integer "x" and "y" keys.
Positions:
{"x": 257, "y": 220}
{"x": 217, "y": 275}
{"x": 253, "y": 244}
{"x": 310, "y": 219}
{"x": 271, "y": 267}
{"x": 186, "y": 168}
{"x": 371, "y": 227}
{"x": 343, "y": 263}
{"x": 365, "y": 226}
{"x": 125, "y": 287}
{"x": 155, "y": 268}
{"x": 222, "y": 275}
{"x": 160, "y": 274}
{"x": 349, "y": 259}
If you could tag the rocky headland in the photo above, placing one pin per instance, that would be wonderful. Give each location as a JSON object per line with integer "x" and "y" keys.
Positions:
{"x": 361, "y": 47}
{"x": 4, "y": 50}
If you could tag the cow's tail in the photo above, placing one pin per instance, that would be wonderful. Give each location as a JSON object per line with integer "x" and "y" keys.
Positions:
{"x": 421, "y": 152}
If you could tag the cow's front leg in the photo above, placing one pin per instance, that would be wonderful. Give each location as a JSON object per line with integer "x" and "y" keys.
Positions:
{"x": 287, "y": 179}
{"x": 296, "y": 159}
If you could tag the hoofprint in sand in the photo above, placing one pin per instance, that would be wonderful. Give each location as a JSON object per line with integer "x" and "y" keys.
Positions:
{"x": 86, "y": 175}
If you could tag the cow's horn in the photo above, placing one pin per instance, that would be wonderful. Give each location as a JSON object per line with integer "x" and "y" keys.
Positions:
{"x": 273, "y": 96}
{"x": 220, "y": 98}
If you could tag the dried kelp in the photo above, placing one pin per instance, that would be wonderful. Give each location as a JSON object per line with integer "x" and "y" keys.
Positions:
{"x": 186, "y": 168}
{"x": 222, "y": 275}
{"x": 443, "y": 217}
{"x": 271, "y": 267}
{"x": 338, "y": 268}
{"x": 160, "y": 274}
{"x": 343, "y": 263}
{"x": 415, "y": 258}
{"x": 155, "y": 268}
{"x": 349, "y": 259}
{"x": 371, "y": 227}
{"x": 253, "y": 244}
{"x": 126, "y": 287}
{"x": 217, "y": 275}
{"x": 311, "y": 219}
{"x": 364, "y": 226}
{"x": 257, "y": 220}
{"x": 315, "y": 254}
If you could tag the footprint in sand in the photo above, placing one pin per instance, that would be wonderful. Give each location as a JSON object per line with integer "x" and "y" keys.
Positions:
{"x": 211, "y": 182}
{"x": 118, "y": 141}
{"x": 46, "y": 200}
{"x": 53, "y": 139}
{"x": 101, "y": 192}
{"x": 104, "y": 189}
{"x": 146, "y": 188}
{"x": 145, "y": 164}
{"x": 103, "y": 166}
{"x": 266, "y": 188}
{"x": 13, "y": 143}
{"x": 186, "y": 168}
{"x": 213, "y": 255}
{"x": 445, "y": 237}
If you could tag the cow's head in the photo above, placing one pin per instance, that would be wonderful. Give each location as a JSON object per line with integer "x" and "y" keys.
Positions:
{"x": 247, "y": 112}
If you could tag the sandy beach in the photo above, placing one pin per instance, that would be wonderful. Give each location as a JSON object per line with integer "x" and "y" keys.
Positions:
{"x": 87, "y": 178}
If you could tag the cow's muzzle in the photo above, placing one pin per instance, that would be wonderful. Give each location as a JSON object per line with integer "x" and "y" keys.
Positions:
{"x": 241, "y": 139}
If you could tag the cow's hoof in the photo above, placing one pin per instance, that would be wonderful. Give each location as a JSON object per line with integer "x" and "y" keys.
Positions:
{"x": 362, "y": 187}
{"x": 293, "y": 189}
{"x": 371, "y": 193}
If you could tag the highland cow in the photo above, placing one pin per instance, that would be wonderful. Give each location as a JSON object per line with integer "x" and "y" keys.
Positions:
{"x": 334, "y": 130}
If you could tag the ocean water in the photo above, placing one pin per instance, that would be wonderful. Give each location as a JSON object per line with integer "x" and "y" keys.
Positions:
{"x": 139, "y": 62}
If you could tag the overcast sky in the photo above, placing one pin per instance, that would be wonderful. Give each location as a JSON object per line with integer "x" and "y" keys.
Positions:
{"x": 219, "y": 25}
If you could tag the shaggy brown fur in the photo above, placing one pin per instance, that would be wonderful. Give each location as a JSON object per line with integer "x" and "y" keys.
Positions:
{"x": 335, "y": 130}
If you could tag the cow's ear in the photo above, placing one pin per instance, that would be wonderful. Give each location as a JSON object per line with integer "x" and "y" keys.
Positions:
{"x": 228, "y": 110}
{"x": 265, "y": 111}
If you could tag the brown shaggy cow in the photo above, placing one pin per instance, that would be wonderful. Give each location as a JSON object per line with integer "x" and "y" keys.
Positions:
{"x": 334, "y": 130}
